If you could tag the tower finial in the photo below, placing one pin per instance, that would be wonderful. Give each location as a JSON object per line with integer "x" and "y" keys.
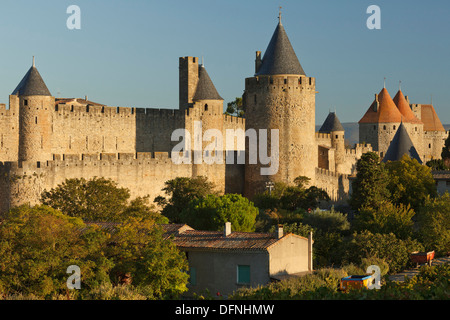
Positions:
{"x": 34, "y": 65}
{"x": 279, "y": 14}
{"x": 384, "y": 85}
{"x": 400, "y": 85}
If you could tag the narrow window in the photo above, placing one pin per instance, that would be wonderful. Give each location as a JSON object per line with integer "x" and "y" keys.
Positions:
{"x": 384, "y": 127}
{"x": 35, "y": 120}
{"x": 255, "y": 98}
{"x": 395, "y": 127}
{"x": 25, "y": 102}
{"x": 206, "y": 107}
{"x": 429, "y": 146}
{"x": 243, "y": 274}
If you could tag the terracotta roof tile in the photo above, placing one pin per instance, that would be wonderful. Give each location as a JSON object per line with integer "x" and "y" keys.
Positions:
{"x": 387, "y": 111}
{"x": 216, "y": 240}
{"x": 430, "y": 119}
{"x": 405, "y": 109}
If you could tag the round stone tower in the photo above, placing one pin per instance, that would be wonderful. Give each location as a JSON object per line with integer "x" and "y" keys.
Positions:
{"x": 35, "y": 103}
{"x": 280, "y": 97}
{"x": 334, "y": 128}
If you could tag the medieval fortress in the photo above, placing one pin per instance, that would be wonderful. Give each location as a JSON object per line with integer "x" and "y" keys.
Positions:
{"x": 46, "y": 140}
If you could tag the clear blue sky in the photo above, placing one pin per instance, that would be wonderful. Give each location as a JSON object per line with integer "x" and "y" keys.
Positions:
{"x": 126, "y": 53}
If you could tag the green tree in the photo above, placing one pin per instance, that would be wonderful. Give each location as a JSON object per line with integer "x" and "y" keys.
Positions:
{"x": 433, "y": 222}
{"x": 394, "y": 251}
{"x": 181, "y": 191}
{"x": 446, "y": 152}
{"x": 291, "y": 197}
{"x": 327, "y": 221}
{"x": 38, "y": 244}
{"x": 389, "y": 218}
{"x": 437, "y": 165}
{"x": 235, "y": 108}
{"x": 211, "y": 213}
{"x": 154, "y": 264}
{"x": 370, "y": 186}
{"x": 410, "y": 183}
{"x": 97, "y": 199}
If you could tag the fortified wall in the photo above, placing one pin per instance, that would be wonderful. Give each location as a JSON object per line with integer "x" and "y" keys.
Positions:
{"x": 142, "y": 173}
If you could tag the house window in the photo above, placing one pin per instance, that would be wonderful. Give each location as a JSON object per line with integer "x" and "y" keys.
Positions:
{"x": 193, "y": 276}
{"x": 243, "y": 274}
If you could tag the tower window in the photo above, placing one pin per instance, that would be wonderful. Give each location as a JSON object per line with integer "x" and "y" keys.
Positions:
{"x": 395, "y": 127}
{"x": 429, "y": 146}
{"x": 206, "y": 107}
{"x": 384, "y": 127}
{"x": 35, "y": 120}
{"x": 25, "y": 102}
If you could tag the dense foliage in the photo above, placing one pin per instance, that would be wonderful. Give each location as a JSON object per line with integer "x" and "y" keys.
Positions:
{"x": 128, "y": 257}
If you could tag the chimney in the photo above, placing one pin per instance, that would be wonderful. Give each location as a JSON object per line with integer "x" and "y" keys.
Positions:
{"x": 279, "y": 231}
{"x": 227, "y": 229}
{"x": 310, "y": 251}
{"x": 258, "y": 61}
{"x": 86, "y": 98}
{"x": 377, "y": 103}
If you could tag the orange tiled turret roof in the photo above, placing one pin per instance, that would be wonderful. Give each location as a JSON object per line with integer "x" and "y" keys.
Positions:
{"x": 430, "y": 119}
{"x": 382, "y": 111}
{"x": 404, "y": 108}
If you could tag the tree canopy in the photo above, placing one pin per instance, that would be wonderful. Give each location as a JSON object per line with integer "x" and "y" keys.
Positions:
{"x": 181, "y": 191}
{"x": 38, "y": 244}
{"x": 212, "y": 211}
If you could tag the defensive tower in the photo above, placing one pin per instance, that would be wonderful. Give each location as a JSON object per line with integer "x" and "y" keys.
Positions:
{"x": 280, "y": 96}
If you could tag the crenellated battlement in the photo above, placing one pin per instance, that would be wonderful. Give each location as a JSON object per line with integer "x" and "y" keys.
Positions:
{"x": 280, "y": 82}
{"x": 323, "y": 136}
{"x": 327, "y": 173}
{"x": 227, "y": 119}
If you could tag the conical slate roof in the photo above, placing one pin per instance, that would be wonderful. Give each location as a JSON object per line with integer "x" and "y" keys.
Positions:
{"x": 32, "y": 85}
{"x": 401, "y": 145}
{"x": 331, "y": 124}
{"x": 405, "y": 109}
{"x": 280, "y": 57}
{"x": 205, "y": 87}
{"x": 387, "y": 111}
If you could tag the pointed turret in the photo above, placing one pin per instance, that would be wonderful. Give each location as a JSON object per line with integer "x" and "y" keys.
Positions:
{"x": 205, "y": 87}
{"x": 401, "y": 145}
{"x": 405, "y": 109}
{"x": 32, "y": 84}
{"x": 331, "y": 124}
{"x": 280, "y": 57}
{"x": 382, "y": 110}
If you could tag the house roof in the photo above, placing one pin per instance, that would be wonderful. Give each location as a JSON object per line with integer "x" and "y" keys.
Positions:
{"x": 187, "y": 238}
{"x": 76, "y": 100}
{"x": 405, "y": 109}
{"x": 401, "y": 145}
{"x": 441, "y": 175}
{"x": 387, "y": 111}
{"x": 331, "y": 124}
{"x": 280, "y": 57}
{"x": 32, "y": 84}
{"x": 430, "y": 119}
{"x": 205, "y": 87}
